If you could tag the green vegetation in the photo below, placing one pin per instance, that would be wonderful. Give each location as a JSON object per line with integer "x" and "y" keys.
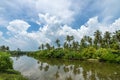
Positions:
{"x": 11, "y": 75}
{"x": 5, "y": 61}
{"x": 104, "y": 47}
{"x": 6, "y": 68}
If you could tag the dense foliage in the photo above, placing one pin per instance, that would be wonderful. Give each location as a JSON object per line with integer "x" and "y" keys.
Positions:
{"x": 5, "y": 61}
{"x": 103, "y": 47}
{"x": 11, "y": 75}
{"x": 6, "y": 68}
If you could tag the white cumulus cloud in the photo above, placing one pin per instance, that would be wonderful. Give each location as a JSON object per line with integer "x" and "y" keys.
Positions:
{"x": 18, "y": 26}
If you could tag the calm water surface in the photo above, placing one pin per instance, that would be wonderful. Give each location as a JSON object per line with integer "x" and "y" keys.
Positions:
{"x": 55, "y": 69}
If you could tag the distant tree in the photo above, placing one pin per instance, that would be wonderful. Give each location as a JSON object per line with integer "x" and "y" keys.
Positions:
{"x": 117, "y": 37}
{"x": 3, "y": 48}
{"x": 97, "y": 38}
{"x": 90, "y": 40}
{"x": 75, "y": 45}
{"x": 107, "y": 37}
{"x": 82, "y": 43}
{"x": 48, "y": 46}
{"x": 65, "y": 45}
{"x": 7, "y": 48}
{"x": 69, "y": 39}
{"x": 58, "y": 43}
{"x": 41, "y": 47}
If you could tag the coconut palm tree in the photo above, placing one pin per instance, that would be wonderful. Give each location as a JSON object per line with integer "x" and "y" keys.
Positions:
{"x": 42, "y": 46}
{"x": 48, "y": 46}
{"x": 82, "y": 43}
{"x": 69, "y": 39}
{"x": 98, "y": 38}
{"x": 58, "y": 42}
{"x": 117, "y": 36}
{"x": 75, "y": 45}
{"x": 107, "y": 37}
{"x": 90, "y": 40}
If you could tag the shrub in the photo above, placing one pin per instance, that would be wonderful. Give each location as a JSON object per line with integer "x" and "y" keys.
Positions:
{"x": 73, "y": 55}
{"x": 118, "y": 59}
{"x": 56, "y": 53}
{"x": 106, "y": 55}
{"x": 89, "y": 52}
{"x": 5, "y": 61}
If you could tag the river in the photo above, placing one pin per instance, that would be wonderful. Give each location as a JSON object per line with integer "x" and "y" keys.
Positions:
{"x": 57, "y": 69}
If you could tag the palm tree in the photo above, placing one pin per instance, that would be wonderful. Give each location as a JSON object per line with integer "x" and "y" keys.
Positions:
{"x": 65, "y": 45}
{"x": 48, "y": 46}
{"x": 7, "y": 48}
{"x": 58, "y": 42}
{"x": 107, "y": 37}
{"x": 39, "y": 47}
{"x": 42, "y": 46}
{"x": 117, "y": 36}
{"x": 75, "y": 45}
{"x": 82, "y": 43}
{"x": 90, "y": 40}
{"x": 3, "y": 48}
{"x": 97, "y": 38}
{"x": 69, "y": 39}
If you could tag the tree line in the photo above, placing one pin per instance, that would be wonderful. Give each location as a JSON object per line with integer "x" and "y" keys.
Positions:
{"x": 106, "y": 40}
{"x": 101, "y": 47}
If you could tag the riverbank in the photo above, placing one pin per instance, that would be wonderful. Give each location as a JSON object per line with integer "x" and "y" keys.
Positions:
{"x": 102, "y": 54}
{"x": 11, "y": 75}
{"x": 6, "y": 68}
{"x": 64, "y": 69}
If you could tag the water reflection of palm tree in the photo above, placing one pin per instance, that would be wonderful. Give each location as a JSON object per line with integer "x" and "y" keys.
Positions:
{"x": 57, "y": 75}
{"x": 58, "y": 66}
{"x": 66, "y": 69}
{"x": 76, "y": 70}
{"x": 41, "y": 66}
{"x": 68, "y": 78}
{"x": 46, "y": 68}
{"x": 71, "y": 67}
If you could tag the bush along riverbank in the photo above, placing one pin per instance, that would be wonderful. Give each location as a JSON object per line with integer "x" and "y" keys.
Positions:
{"x": 104, "y": 47}
{"x": 90, "y": 53}
{"x": 6, "y": 68}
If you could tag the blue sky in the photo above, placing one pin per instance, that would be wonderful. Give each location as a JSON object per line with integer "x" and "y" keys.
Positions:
{"x": 26, "y": 24}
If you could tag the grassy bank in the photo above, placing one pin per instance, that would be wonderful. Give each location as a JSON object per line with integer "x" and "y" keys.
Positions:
{"x": 90, "y": 53}
{"x": 11, "y": 75}
{"x": 6, "y": 68}
{"x": 102, "y": 47}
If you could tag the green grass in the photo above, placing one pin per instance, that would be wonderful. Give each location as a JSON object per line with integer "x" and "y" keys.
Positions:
{"x": 11, "y": 75}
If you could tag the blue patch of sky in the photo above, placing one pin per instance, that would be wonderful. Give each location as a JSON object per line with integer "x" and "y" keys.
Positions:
{"x": 33, "y": 27}
{"x": 4, "y": 31}
{"x": 87, "y": 13}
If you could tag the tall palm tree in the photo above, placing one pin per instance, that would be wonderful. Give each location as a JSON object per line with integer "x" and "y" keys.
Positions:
{"x": 90, "y": 40}
{"x": 58, "y": 42}
{"x": 75, "y": 45}
{"x": 82, "y": 43}
{"x": 65, "y": 45}
{"x": 117, "y": 36}
{"x": 42, "y": 46}
{"x": 69, "y": 39}
{"x": 107, "y": 37}
{"x": 48, "y": 46}
{"x": 98, "y": 38}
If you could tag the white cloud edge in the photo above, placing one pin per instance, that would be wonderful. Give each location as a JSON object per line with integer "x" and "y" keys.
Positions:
{"x": 51, "y": 31}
